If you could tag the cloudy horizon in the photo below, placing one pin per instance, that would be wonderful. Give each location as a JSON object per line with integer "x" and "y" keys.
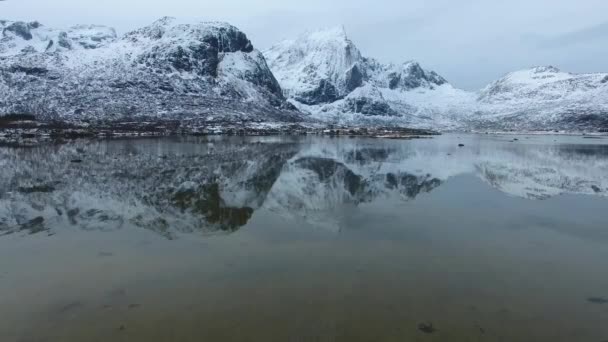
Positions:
{"x": 471, "y": 43}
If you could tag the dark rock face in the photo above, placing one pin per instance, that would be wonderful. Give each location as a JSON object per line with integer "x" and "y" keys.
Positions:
{"x": 20, "y": 29}
{"x": 326, "y": 92}
{"x": 200, "y": 55}
{"x": 413, "y": 77}
{"x": 64, "y": 41}
{"x": 263, "y": 77}
{"x": 230, "y": 40}
{"x": 31, "y": 71}
{"x": 354, "y": 78}
{"x": 605, "y": 80}
{"x": 371, "y": 107}
{"x": 393, "y": 80}
{"x": 435, "y": 78}
{"x": 575, "y": 119}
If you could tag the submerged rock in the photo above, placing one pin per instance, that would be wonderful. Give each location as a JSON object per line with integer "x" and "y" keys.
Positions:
{"x": 34, "y": 226}
{"x": 427, "y": 328}
{"x": 598, "y": 300}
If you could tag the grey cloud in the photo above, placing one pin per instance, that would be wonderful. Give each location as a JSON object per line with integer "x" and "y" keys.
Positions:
{"x": 591, "y": 34}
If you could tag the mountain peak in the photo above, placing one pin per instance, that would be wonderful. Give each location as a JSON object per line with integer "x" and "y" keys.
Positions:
{"x": 177, "y": 26}
{"x": 536, "y": 75}
{"x": 175, "y": 21}
{"x": 544, "y": 69}
{"x": 319, "y": 66}
{"x": 328, "y": 33}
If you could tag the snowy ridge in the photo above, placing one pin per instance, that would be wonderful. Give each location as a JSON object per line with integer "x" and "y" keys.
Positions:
{"x": 169, "y": 70}
{"x": 546, "y": 97}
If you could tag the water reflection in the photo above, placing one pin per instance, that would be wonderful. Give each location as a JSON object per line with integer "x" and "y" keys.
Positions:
{"x": 175, "y": 186}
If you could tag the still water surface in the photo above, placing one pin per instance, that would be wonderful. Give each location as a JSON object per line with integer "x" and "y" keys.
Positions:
{"x": 306, "y": 239}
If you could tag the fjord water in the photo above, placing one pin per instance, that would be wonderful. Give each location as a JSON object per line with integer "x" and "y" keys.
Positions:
{"x": 305, "y": 239}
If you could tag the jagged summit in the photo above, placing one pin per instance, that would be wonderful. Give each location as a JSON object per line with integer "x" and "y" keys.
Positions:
{"x": 317, "y": 67}
{"x": 410, "y": 75}
{"x": 334, "y": 33}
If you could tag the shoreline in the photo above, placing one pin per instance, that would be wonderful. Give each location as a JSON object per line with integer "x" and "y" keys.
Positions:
{"x": 31, "y": 133}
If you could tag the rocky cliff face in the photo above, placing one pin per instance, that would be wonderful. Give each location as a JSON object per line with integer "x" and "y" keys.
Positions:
{"x": 168, "y": 70}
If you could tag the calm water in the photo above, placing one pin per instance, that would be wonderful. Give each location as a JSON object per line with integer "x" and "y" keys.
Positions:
{"x": 306, "y": 239}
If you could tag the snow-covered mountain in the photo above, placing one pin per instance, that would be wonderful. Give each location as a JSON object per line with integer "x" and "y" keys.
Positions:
{"x": 210, "y": 72}
{"x": 545, "y": 98}
{"x": 171, "y": 70}
{"x": 324, "y": 74}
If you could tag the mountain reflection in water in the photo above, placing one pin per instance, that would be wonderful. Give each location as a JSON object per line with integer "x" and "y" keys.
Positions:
{"x": 212, "y": 185}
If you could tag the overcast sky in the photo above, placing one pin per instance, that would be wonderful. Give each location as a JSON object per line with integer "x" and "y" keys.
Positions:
{"x": 470, "y": 42}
